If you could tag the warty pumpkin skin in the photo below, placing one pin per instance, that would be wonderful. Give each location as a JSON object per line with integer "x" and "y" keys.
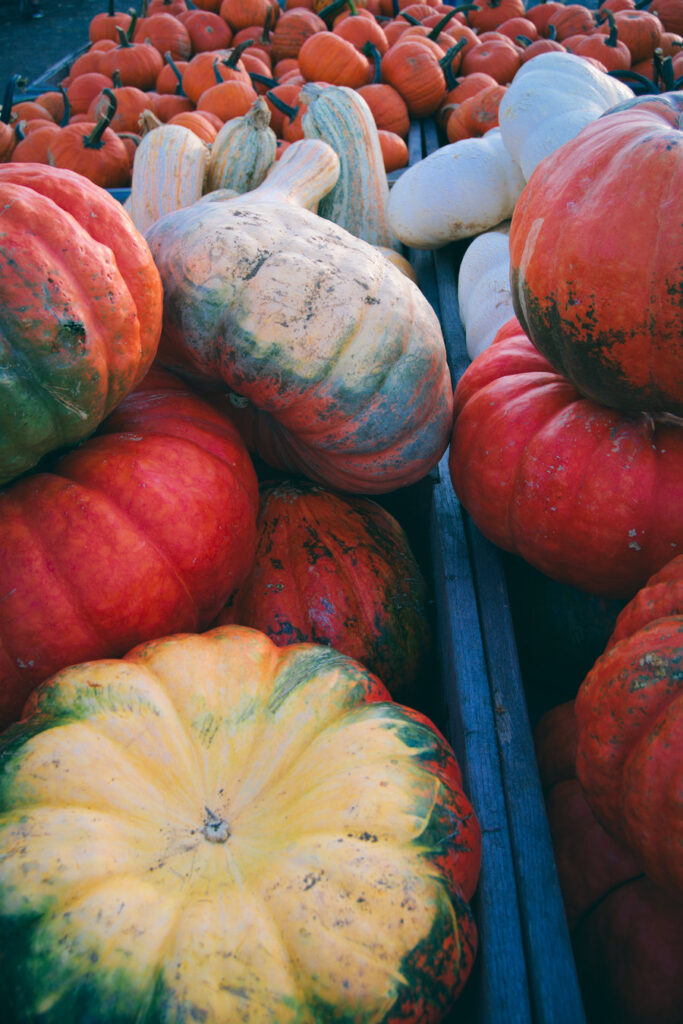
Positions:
{"x": 337, "y": 570}
{"x": 341, "y": 357}
{"x": 586, "y": 494}
{"x": 218, "y": 829}
{"x": 144, "y": 529}
{"x": 629, "y": 711}
{"x": 597, "y": 271}
{"x": 81, "y": 310}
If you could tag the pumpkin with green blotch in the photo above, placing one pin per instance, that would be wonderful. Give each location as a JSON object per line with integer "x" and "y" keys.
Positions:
{"x": 337, "y": 570}
{"x": 214, "y": 828}
{"x": 81, "y": 310}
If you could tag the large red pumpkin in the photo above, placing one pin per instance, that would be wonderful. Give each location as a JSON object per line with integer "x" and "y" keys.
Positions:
{"x": 143, "y": 530}
{"x": 80, "y": 318}
{"x": 629, "y": 711}
{"x": 337, "y": 570}
{"x": 596, "y": 257}
{"x": 627, "y": 932}
{"x": 586, "y": 494}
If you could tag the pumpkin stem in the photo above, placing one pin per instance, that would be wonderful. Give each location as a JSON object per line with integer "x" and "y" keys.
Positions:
{"x": 372, "y": 53}
{"x": 179, "y": 91}
{"x": 148, "y": 121}
{"x": 263, "y": 79}
{"x": 283, "y": 107}
{"x": 111, "y": 10}
{"x": 446, "y": 63}
{"x": 67, "y": 107}
{"x": 523, "y": 41}
{"x": 116, "y": 79}
{"x": 94, "y": 139}
{"x": 329, "y": 12}
{"x": 6, "y": 112}
{"x": 19, "y": 132}
{"x": 664, "y": 70}
{"x": 236, "y": 53}
{"x": 410, "y": 19}
{"x": 646, "y": 86}
{"x": 607, "y": 16}
{"x": 124, "y": 38}
{"x": 552, "y": 33}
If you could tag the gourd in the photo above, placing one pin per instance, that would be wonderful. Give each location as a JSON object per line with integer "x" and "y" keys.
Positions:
{"x": 339, "y": 356}
{"x": 145, "y": 529}
{"x": 216, "y": 828}
{"x": 459, "y": 190}
{"x": 358, "y": 201}
{"x": 243, "y": 151}
{"x": 170, "y": 171}
{"x": 629, "y": 711}
{"x": 81, "y": 310}
{"x": 587, "y": 495}
{"x": 627, "y": 932}
{"x": 339, "y": 571}
{"x": 550, "y": 99}
{"x": 484, "y": 299}
{"x": 604, "y": 317}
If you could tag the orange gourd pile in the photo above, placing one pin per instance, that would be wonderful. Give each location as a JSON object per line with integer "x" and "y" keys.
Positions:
{"x": 204, "y": 65}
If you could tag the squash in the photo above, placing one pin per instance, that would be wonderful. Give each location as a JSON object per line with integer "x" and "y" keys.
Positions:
{"x": 459, "y": 190}
{"x": 629, "y": 711}
{"x": 588, "y": 495}
{"x": 214, "y": 828}
{"x": 550, "y": 99}
{"x": 484, "y": 299}
{"x": 170, "y": 171}
{"x": 604, "y": 317}
{"x": 81, "y": 310}
{"x": 337, "y": 570}
{"x": 243, "y": 151}
{"x": 340, "y": 358}
{"x": 627, "y": 933}
{"x": 358, "y": 201}
{"x": 144, "y": 529}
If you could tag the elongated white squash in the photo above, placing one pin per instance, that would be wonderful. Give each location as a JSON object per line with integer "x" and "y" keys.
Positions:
{"x": 457, "y": 191}
{"x": 484, "y": 296}
{"x": 169, "y": 172}
{"x": 243, "y": 150}
{"x": 358, "y": 202}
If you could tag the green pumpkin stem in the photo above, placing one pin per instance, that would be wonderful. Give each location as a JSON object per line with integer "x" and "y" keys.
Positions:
{"x": 283, "y": 107}
{"x": 446, "y": 63}
{"x": 410, "y": 19}
{"x": 19, "y": 132}
{"x": 263, "y": 79}
{"x": 664, "y": 70}
{"x": 67, "y": 107}
{"x": 372, "y": 53}
{"x": 523, "y": 41}
{"x": 94, "y": 139}
{"x": 236, "y": 53}
{"x": 552, "y": 32}
{"x": 178, "y": 91}
{"x": 8, "y": 99}
{"x": 647, "y": 86}
{"x": 116, "y": 79}
{"x": 607, "y": 16}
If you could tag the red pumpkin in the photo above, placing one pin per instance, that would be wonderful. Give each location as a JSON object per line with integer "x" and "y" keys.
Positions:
{"x": 606, "y": 309}
{"x": 589, "y": 496}
{"x": 65, "y": 234}
{"x": 339, "y": 571}
{"x": 630, "y": 729}
{"x": 627, "y": 932}
{"x": 144, "y": 530}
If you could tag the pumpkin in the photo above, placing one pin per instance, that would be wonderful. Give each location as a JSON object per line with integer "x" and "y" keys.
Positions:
{"x": 341, "y": 359}
{"x": 459, "y": 190}
{"x": 627, "y": 933}
{"x": 75, "y": 347}
{"x": 137, "y": 63}
{"x": 484, "y": 299}
{"x": 339, "y": 571}
{"x": 629, "y": 712}
{"x": 604, "y": 317}
{"x": 145, "y": 529}
{"x": 550, "y": 99}
{"x": 586, "y": 494}
{"x": 104, "y": 25}
{"x": 272, "y": 839}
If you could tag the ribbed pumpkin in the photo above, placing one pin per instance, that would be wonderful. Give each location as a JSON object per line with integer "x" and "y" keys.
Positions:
{"x": 243, "y": 151}
{"x": 340, "y": 358}
{"x": 146, "y": 528}
{"x": 604, "y": 316}
{"x": 81, "y": 310}
{"x": 589, "y": 496}
{"x": 337, "y": 570}
{"x": 215, "y": 828}
{"x": 630, "y": 729}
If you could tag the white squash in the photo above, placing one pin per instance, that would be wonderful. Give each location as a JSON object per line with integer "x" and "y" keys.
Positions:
{"x": 169, "y": 172}
{"x": 457, "y": 191}
{"x": 484, "y": 296}
{"x": 551, "y": 98}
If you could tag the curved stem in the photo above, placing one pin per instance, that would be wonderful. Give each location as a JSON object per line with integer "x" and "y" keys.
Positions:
{"x": 67, "y": 107}
{"x": 94, "y": 140}
{"x": 440, "y": 26}
{"x": 283, "y": 107}
{"x": 179, "y": 91}
{"x": 607, "y": 16}
{"x": 116, "y": 78}
{"x": 8, "y": 99}
{"x": 372, "y": 53}
{"x": 236, "y": 53}
{"x": 263, "y": 79}
{"x": 446, "y": 63}
{"x": 410, "y": 19}
{"x": 632, "y": 76}
{"x": 664, "y": 70}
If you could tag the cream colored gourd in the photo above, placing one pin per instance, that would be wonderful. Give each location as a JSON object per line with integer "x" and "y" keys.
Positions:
{"x": 358, "y": 202}
{"x": 340, "y": 356}
{"x": 243, "y": 150}
{"x": 399, "y": 260}
{"x": 484, "y": 297}
{"x": 169, "y": 172}
{"x": 457, "y": 191}
{"x": 551, "y": 98}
